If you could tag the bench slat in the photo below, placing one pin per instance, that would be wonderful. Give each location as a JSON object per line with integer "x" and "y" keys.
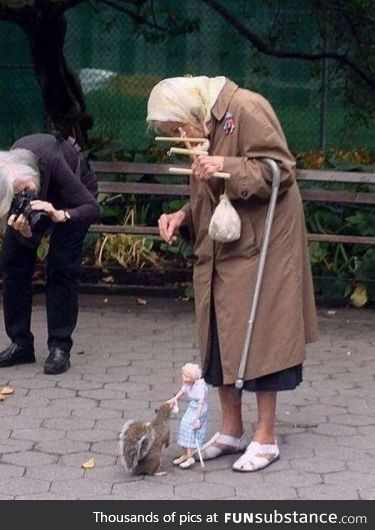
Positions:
{"x": 338, "y": 196}
{"x": 153, "y": 230}
{"x": 139, "y": 188}
{"x": 335, "y": 176}
{"x": 332, "y": 238}
{"x": 137, "y": 168}
{"x": 144, "y": 188}
{"x": 132, "y": 168}
{"x": 124, "y": 229}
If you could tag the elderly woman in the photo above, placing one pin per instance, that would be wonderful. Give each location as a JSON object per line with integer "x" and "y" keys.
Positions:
{"x": 242, "y": 128}
{"x": 48, "y": 169}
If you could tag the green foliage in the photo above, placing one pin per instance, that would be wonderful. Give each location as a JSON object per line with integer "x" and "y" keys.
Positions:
{"x": 341, "y": 271}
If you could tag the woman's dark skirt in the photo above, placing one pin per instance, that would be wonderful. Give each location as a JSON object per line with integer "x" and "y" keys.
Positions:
{"x": 287, "y": 379}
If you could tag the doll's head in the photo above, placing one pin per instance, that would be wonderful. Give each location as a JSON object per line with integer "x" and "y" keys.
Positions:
{"x": 190, "y": 373}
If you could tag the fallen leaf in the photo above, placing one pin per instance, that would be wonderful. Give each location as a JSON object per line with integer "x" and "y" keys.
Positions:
{"x": 359, "y": 296}
{"x": 89, "y": 464}
{"x": 6, "y": 391}
{"x": 141, "y": 301}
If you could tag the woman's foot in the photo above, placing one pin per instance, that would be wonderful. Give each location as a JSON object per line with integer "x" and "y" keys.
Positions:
{"x": 257, "y": 456}
{"x": 224, "y": 444}
{"x": 189, "y": 462}
{"x": 180, "y": 459}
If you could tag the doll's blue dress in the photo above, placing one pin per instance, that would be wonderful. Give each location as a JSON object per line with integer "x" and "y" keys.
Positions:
{"x": 196, "y": 394}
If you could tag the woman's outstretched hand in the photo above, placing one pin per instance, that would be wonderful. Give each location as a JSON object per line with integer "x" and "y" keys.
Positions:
{"x": 169, "y": 223}
{"x": 205, "y": 166}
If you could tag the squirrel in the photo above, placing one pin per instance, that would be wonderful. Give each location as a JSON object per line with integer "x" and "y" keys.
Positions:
{"x": 141, "y": 442}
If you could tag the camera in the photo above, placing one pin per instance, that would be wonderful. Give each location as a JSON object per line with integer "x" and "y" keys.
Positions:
{"x": 39, "y": 221}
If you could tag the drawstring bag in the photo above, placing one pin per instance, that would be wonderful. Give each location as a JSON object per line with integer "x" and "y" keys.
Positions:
{"x": 225, "y": 224}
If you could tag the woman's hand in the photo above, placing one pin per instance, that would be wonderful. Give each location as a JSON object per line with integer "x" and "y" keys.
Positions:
{"x": 21, "y": 224}
{"x": 57, "y": 216}
{"x": 169, "y": 223}
{"x": 205, "y": 166}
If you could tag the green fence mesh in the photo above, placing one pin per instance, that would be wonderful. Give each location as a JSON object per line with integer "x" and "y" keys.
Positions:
{"x": 118, "y": 67}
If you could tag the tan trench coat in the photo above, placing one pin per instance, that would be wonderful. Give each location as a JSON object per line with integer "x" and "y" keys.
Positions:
{"x": 225, "y": 272}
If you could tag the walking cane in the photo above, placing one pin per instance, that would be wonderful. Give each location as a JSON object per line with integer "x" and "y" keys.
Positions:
{"x": 262, "y": 259}
{"x": 199, "y": 451}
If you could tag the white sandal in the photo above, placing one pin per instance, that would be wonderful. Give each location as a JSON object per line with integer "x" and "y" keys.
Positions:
{"x": 179, "y": 460}
{"x": 234, "y": 445}
{"x": 257, "y": 456}
{"x": 189, "y": 462}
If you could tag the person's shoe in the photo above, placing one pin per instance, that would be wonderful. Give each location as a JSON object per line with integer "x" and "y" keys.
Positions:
{"x": 188, "y": 463}
{"x": 179, "y": 460}
{"x": 15, "y": 354}
{"x": 229, "y": 445}
{"x": 257, "y": 456}
{"x": 57, "y": 361}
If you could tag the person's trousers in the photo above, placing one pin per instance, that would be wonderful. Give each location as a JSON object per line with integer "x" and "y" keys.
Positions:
{"x": 63, "y": 268}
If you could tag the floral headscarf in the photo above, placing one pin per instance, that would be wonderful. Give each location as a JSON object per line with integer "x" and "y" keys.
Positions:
{"x": 186, "y": 100}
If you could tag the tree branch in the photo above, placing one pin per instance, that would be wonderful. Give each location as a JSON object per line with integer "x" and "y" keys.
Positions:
{"x": 135, "y": 16}
{"x": 263, "y": 47}
{"x": 140, "y": 19}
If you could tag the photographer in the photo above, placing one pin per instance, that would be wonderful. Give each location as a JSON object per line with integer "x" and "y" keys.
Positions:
{"x": 46, "y": 187}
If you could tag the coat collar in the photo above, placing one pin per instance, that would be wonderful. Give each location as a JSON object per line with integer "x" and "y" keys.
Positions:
{"x": 225, "y": 96}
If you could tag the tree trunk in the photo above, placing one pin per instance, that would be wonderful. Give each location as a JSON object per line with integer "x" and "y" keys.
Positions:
{"x": 61, "y": 90}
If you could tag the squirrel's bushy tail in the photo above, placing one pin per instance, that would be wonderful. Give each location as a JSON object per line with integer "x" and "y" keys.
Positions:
{"x": 134, "y": 444}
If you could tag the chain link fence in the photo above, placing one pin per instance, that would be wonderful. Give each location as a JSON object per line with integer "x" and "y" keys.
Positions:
{"x": 118, "y": 66}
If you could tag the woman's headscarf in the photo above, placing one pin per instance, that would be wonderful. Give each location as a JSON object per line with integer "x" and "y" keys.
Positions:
{"x": 185, "y": 100}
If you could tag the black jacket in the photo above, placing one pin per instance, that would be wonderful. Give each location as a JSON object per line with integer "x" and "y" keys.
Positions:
{"x": 60, "y": 182}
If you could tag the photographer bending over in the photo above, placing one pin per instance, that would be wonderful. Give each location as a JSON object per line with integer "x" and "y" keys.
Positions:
{"x": 46, "y": 187}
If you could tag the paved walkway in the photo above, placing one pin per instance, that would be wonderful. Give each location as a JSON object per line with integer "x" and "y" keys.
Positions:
{"x": 127, "y": 359}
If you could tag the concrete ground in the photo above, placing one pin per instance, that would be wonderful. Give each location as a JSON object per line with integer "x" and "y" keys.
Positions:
{"x": 127, "y": 359}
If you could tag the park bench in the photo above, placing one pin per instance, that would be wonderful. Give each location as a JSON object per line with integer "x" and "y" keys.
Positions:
{"x": 317, "y": 194}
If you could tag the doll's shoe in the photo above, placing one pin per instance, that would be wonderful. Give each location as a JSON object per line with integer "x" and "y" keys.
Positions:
{"x": 189, "y": 462}
{"x": 257, "y": 456}
{"x": 232, "y": 445}
{"x": 179, "y": 460}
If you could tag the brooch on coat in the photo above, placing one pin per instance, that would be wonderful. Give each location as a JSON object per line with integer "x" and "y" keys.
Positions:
{"x": 229, "y": 124}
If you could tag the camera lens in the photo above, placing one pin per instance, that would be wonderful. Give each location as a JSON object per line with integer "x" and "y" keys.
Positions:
{"x": 39, "y": 222}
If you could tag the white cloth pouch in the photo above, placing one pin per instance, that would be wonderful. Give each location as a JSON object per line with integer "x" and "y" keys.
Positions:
{"x": 225, "y": 224}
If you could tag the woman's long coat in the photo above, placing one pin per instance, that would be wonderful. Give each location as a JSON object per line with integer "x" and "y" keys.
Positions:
{"x": 224, "y": 273}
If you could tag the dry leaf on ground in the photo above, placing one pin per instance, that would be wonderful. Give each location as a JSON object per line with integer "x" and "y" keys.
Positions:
{"x": 359, "y": 296}
{"x": 141, "y": 301}
{"x": 6, "y": 391}
{"x": 89, "y": 464}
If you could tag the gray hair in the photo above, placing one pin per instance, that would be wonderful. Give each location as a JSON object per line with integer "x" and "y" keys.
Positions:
{"x": 193, "y": 369}
{"x": 16, "y": 164}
